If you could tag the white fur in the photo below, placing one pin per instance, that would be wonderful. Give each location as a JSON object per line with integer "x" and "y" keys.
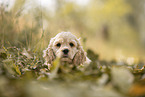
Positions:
{"x": 75, "y": 56}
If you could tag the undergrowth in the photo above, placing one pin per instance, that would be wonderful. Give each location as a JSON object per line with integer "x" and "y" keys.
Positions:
{"x": 23, "y": 73}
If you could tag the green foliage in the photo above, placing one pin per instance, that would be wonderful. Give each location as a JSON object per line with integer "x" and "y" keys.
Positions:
{"x": 25, "y": 70}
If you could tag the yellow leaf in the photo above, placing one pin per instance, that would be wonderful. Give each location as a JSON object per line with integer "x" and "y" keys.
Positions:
{"x": 17, "y": 69}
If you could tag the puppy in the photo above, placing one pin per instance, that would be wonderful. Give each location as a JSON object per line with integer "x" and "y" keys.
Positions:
{"x": 67, "y": 48}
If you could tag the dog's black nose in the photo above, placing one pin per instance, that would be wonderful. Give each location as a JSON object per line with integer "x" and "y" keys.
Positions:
{"x": 65, "y": 51}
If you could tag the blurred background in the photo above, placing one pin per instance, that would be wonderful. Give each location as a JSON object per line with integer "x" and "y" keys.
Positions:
{"x": 114, "y": 29}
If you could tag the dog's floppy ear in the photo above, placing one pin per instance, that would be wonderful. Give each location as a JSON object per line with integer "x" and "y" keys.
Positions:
{"x": 48, "y": 54}
{"x": 80, "y": 56}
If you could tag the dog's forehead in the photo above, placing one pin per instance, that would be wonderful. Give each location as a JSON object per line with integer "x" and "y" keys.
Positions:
{"x": 66, "y": 35}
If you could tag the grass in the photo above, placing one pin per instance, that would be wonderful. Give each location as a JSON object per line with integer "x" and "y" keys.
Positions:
{"x": 23, "y": 73}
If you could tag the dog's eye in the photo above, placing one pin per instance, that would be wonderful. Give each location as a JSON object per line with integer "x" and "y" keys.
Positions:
{"x": 58, "y": 44}
{"x": 71, "y": 44}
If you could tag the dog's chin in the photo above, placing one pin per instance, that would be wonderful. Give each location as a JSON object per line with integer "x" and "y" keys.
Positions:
{"x": 66, "y": 59}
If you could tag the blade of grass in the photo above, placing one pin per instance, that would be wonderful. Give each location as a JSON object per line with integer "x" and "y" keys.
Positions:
{"x": 54, "y": 69}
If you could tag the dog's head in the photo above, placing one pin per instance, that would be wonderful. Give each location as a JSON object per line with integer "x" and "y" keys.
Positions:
{"x": 67, "y": 48}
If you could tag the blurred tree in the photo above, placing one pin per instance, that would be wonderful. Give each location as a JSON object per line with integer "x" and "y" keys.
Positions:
{"x": 137, "y": 19}
{"x": 105, "y": 32}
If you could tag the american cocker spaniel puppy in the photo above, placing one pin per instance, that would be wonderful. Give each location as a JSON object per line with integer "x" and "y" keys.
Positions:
{"x": 67, "y": 48}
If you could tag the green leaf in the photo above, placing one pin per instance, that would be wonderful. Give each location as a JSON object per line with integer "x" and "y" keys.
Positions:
{"x": 54, "y": 68}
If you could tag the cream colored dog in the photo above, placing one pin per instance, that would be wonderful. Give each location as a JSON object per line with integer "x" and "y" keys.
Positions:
{"x": 67, "y": 48}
